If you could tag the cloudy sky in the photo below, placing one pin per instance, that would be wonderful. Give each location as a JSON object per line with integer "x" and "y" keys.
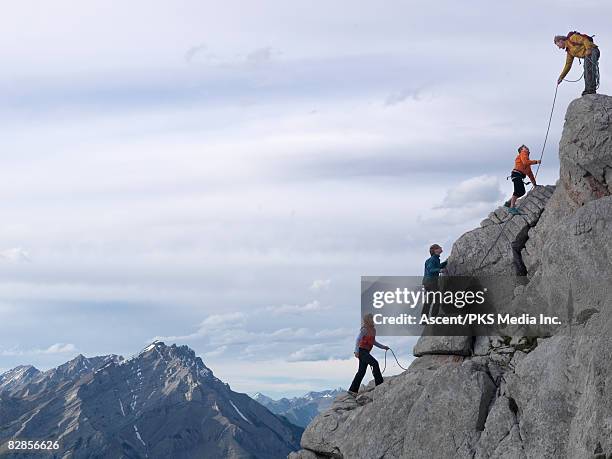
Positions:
{"x": 220, "y": 174}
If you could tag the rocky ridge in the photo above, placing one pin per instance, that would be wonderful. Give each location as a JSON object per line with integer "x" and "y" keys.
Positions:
{"x": 502, "y": 397}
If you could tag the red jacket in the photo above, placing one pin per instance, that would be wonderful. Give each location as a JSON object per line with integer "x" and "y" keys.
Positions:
{"x": 366, "y": 339}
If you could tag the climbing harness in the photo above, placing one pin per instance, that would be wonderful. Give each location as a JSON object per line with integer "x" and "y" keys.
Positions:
{"x": 396, "y": 361}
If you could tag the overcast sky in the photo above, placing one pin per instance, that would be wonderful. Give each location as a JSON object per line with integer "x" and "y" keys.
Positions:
{"x": 220, "y": 174}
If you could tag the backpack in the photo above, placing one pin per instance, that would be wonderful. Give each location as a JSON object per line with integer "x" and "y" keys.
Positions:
{"x": 589, "y": 37}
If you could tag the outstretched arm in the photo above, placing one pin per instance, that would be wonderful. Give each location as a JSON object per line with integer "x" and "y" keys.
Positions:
{"x": 380, "y": 346}
{"x": 568, "y": 65}
{"x": 526, "y": 161}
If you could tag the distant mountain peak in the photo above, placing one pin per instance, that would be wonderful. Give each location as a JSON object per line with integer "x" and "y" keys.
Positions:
{"x": 300, "y": 410}
{"x": 161, "y": 402}
{"x": 17, "y": 376}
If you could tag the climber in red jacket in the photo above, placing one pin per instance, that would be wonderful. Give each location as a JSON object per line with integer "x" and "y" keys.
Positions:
{"x": 363, "y": 345}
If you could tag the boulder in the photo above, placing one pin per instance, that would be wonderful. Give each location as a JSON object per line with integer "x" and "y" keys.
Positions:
{"x": 453, "y": 345}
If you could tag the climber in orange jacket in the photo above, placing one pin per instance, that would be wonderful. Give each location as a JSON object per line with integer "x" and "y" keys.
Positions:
{"x": 522, "y": 169}
{"x": 581, "y": 46}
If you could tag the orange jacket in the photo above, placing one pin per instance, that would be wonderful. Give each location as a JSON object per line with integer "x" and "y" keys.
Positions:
{"x": 522, "y": 163}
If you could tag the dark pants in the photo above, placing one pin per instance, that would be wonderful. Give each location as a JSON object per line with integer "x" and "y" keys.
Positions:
{"x": 591, "y": 72}
{"x": 519, "y": 186}
{"x": 365, "y": 359}
{"x": 431, "y": 285}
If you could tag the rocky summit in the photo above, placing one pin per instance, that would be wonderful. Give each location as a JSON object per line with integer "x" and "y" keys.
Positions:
{"x": 161, "y": 403}
{"x": 502, "y": 397}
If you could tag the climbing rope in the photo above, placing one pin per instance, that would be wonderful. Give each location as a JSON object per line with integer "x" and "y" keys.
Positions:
{"x": 574, "y": 81}
{"x": 396, "y": 361}
{"x": 596, "y": 70}
{"x": 501, "y": 231}
{"x": 552, "y": 110}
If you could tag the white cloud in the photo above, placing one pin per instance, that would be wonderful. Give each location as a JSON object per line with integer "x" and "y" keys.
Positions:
{"x": 220, "y": 321}
{"x": 216, "y": 352}
{"x": 57, "y": 348}
{"x": 316, "y": 352}
{"x": 195, "y": 50}
{"x": 16, "y": 254}
{"x": 313, "y": 306}
{"x": 320, "y": 284}
{"x": 401, "y": 96}
{"x": 473, "y": 191}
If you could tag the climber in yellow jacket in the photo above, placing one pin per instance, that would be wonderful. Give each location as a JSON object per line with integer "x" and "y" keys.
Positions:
{"x": 581, "y": 46}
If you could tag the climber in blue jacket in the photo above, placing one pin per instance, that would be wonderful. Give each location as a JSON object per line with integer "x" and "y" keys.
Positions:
{"x": 433, "y": 267}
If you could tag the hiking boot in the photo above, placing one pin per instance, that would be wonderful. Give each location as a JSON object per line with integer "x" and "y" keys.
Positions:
{"x": 350, "y": 392}
{"x": 507, "y": 204}
{"x": 585, "y": 92}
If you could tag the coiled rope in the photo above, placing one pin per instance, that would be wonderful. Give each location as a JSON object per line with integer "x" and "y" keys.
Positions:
{"x": 396, "y": 361}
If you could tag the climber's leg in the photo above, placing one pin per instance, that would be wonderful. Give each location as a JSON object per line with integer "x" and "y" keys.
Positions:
{"x": 591, "y": 70}
{"x": 378, "y": 379}
{"x": 363, "y": 365}
{"x": 519, "y": 188}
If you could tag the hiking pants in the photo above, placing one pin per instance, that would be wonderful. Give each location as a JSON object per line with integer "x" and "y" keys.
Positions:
{"x": 519, "y": 186}
{"x": 591, "y": 71}
{"x": 431, "y": 285}
{"x": 365, "y": 359}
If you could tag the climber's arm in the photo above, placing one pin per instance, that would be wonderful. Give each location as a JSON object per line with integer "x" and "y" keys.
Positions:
{"x": 569, "y": 60}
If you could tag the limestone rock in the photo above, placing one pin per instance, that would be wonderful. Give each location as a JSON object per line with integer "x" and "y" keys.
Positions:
{"x": 586, "y": 149}
{"x": 487, "y": 250}
{"x": 455, "y": 345}
{"x": 498, "y": 397}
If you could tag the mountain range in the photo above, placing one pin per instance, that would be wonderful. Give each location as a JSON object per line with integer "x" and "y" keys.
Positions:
{"x": 161, "y": 403}
{"x": 300, "y": 410}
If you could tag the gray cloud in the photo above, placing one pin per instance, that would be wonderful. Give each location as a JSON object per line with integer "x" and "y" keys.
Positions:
{"x": 261, "y": 55}
{"x": 401, "y": 96}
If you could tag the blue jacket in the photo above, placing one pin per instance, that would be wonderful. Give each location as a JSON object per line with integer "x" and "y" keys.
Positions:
{"x": 433, "y": 266}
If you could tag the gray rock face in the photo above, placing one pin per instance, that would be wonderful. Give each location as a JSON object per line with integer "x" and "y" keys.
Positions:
{"x": 458, "y": 345}
{"x": 487, "y": 250}
{"x": 497, "y": 397}
{"x": 585, "y": 150}
{"x": 162, "y": 403}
